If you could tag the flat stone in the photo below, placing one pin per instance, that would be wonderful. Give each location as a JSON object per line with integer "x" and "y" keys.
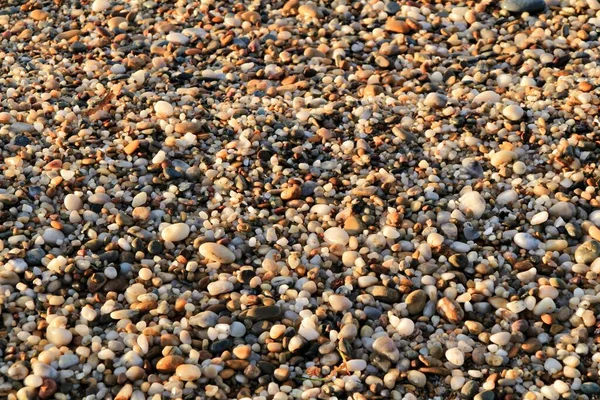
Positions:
{"x": 519, "y": 6}
{"x": 262, "y": 313}
{"x": 384, "y": 294}
{"x": 217, "y": 252}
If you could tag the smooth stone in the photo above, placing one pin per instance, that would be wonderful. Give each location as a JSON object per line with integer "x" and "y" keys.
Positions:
{"x": 339, "y": 303}
{"x": 472, "y": 202}
{"x": 59, "y": 336}
{"x": 417, "y": 378}
{"x": 163, "y": 109}
{"x": 310, "y": 10}
{"x": 99, "y": 199}
{"x": 539, "y": 218}
{"x": 405, "y": 327}
{"x": 473, "y": 167}
{"x": 563, "y": 209}
{"x": 73, "y": 202}
{"x": 488, "y": 97}
{"x": 519, "y": 6}
{"x": 435, "y": 100}
{"x": 526, "y": 241}
{"x": 336, "y": 235}
{"x": 544, "y": 306}
{"x": 217, "y": 252}
{"x": 356, "y": 365}
{"x": 594, "y": 217}
{"x": 220, "y": 287}
{"x": 262, "y": 313}
{"x": 485, "y": 395}
{"x": 450, "y": 310}
{"x": 100, "y": 5}
{"x": 455, "y": 356}
{"x": 204, "y": 319}
{"x": 587, "y": 252}
{"x": 52, "y": 236}
{"x": 177, "y": 38}
{"x": 384, "y": 294}
{"x": 502, "y": 157}
{"x": 415, "y": 302}
{"x": 169, "y": 363}
{"x": 188, "y": 372}
{"x": 500, "y": 338}
{"x": 513, "y": 112}
{"x": 176, "y": 232}
{"x": 507, "y": 197}
{"x": 386, "y": 347}
{"x": 139, "y": 199}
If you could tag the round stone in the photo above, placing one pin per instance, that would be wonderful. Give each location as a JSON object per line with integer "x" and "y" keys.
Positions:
{"x": 339, "y": 303}
{"x": 336, "y": 235}
{"x": 473, "y": 203}
{"x": 73, "y": 202}
{"x": 455, "y": 356}
{"x": 59, "y": 336}
{"x": 188, "y": 372}
{"x": 513, "y": 112}
{"x": 175, "y": 232}
{"x": 406, "y": 327}
{"x": 417, "y": 378}
{"x": 163, "y": 109}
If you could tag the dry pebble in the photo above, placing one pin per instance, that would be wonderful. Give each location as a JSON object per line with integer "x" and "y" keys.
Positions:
{"x": 299, "y": 200}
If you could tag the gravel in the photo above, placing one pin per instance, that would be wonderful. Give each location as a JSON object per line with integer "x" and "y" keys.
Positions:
{"x": 299, "y": 200}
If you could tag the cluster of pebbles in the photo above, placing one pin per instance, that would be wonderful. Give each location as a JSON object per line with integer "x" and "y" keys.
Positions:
{"x": 299, "y": 200}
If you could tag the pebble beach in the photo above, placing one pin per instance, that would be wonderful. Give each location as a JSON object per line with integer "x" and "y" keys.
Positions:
{"x": 279, "y": 200}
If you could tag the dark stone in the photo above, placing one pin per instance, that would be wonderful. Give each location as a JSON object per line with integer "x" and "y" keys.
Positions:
{"x": 262, "y": 313}
{"x": 155, "y": 247}
{"x": 384, "y": 294}
{"x": 22, "y": 140}
{"x": 78, "y": 47}
{"x": 34, "y": 256}
{"x": 392, "y": 8}
{"x": 469, "y": 390}
{"x": 109, "y": 256}
{"x": 94, "y": 244}
{"x": 96, "y": 282}
{"x": 220, "y": 346}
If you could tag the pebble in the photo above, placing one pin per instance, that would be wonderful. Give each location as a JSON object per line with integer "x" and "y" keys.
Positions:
{"x": 339, "y": 303}
{"x": 523, "y": 5}
{"x": 455, "y": 356}
{"x": 526, "y": 241}
{"x": 217, "y": 252}
{"x": 539, "y": 218}
{"x": 387, "y": 348}
{"x": 513, "y": 112}
{"x": 472, "y": 203}
{"x": 435, "y": 100}
{"x": 311, "y": 200}
{"x": 175, "y": 232}
{"x": 405, "y": 327}
{"x": 188, "y": 372}
{"x": 73, "y": 202}
{"x": 337, "y": 235}
{"x": 163, "y": 109}
{"x": 100, "y": 5}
